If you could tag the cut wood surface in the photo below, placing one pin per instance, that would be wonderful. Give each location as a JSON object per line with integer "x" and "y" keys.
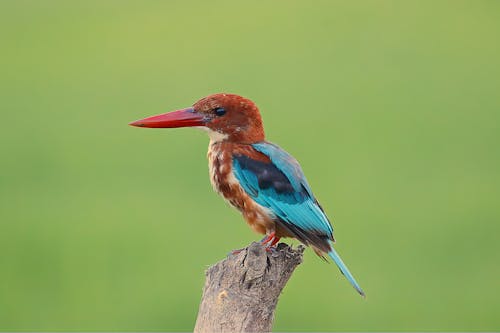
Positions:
{"x": 241, "y": 291}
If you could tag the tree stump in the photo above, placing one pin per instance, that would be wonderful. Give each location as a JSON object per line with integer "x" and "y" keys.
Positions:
{"x": 241, "y": 291}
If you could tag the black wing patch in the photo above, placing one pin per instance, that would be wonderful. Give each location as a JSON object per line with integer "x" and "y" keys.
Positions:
{"x": 270, "y": 178}
{"x": 268, "y": 175}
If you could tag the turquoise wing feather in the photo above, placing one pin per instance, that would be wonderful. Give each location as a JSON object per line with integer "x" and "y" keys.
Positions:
{"x": 282, "y": 187}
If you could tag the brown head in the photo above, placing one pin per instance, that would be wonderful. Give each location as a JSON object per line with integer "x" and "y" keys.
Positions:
{"x": 226, "y": 117}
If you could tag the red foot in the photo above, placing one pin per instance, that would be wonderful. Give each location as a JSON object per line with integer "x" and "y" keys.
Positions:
{"x": 268, "y": 238}
{"x": 270, "y": 241}
{"x": 275, "y": 241}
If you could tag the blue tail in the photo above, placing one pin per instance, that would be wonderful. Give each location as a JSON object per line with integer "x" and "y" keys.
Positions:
{"x": 343, "y": 268}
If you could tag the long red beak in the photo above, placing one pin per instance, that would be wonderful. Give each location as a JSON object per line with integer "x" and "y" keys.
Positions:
{"x": 180, "y": 118}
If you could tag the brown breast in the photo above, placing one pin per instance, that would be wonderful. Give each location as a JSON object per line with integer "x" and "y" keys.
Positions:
{"x": 225, "y": 183}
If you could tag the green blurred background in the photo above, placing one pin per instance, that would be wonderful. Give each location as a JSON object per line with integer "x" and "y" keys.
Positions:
{"x": 392, "y": 107}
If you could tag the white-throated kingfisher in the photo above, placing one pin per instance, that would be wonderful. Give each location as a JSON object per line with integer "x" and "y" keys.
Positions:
{"x": 261, "y": 180}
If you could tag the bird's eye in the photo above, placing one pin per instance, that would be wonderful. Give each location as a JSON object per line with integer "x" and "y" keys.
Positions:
{"x": 220, "y": 111}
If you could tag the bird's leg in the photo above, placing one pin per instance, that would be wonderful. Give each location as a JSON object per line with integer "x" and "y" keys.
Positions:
{"x": 275, "y": 241}
{"x": 270, "y": 241}
{"x": 268, "y": 238}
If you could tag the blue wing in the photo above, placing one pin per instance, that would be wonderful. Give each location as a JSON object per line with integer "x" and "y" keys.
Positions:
{"x": 282, "y": 187}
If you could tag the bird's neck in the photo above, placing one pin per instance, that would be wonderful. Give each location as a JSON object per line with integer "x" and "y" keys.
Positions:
{"x": 237, "y": 136}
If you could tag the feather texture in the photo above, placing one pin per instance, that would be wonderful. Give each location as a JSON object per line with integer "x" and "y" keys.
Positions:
{"x": 280, "y": 185}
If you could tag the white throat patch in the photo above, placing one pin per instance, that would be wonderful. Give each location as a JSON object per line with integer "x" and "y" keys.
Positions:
{"x": 213, "y": 135}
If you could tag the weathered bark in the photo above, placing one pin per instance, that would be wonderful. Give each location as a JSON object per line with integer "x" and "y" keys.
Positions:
{"x": 241, "y": 291}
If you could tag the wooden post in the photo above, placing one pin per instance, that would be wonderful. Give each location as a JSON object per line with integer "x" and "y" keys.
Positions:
{"x": 241, "y": 291}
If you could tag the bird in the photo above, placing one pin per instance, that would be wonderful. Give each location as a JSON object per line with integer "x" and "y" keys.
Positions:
{"x": 257, "y": 177}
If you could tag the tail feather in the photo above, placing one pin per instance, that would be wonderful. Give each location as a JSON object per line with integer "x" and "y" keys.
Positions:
{"x": 343, "y": 268}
